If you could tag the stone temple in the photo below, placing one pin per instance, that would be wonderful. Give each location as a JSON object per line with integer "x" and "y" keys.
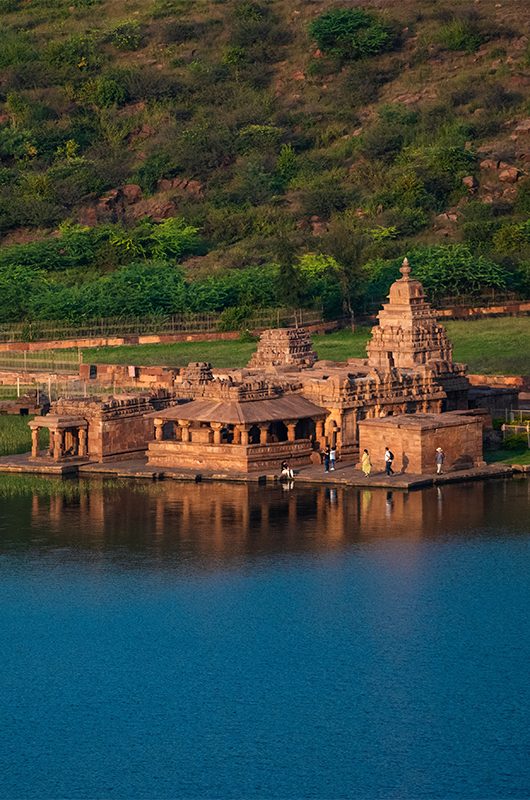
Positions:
{"x": 288, "y": 405}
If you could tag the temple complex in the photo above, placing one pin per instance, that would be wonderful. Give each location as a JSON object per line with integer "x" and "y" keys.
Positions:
{"x": 286, "y": 404}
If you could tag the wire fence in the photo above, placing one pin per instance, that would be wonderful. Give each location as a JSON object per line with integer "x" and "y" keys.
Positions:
{"x": 177, "y": 323}
{"x": 55, "y": 387}
{"x": 53, "y": 361}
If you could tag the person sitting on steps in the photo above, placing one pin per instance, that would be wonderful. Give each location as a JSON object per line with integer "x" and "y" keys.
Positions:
{"x": 286, "y": 471}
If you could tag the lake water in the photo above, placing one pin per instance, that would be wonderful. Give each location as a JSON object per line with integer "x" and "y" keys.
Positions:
{"x": 228, "y": 641}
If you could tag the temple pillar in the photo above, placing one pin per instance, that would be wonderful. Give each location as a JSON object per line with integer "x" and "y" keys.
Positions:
{"x": 264, "y": 433}
{"x": 237, "y": 435}
{"x": 319, "y": 433}
{"x": 355, "y": 426}
{"x": 82, "y": 442}
{"x": 34, "y": 442}
{"x": 58, "y": 444}
{"x": 337, "y": 433}
{"x": 217, "y": 428}
{"x": 159, "y": 430}
{"x": 244, "y": 435}
{"x": 177, "y": 432}
{"x": 291, "y": 429}
{"x": 185, "y": 427}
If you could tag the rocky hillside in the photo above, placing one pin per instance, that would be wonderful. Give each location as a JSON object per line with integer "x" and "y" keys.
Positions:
{"x": 276, "y": 128}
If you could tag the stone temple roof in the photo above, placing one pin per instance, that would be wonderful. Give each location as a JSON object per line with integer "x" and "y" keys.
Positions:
{"x": 292, "y": 406}
{"x": 419, "y": 421}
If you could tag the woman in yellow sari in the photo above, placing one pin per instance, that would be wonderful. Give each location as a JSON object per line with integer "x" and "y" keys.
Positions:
{"x": 366, "y": 464}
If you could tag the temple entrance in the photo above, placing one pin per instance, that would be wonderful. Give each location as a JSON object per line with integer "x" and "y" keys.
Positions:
{"x": 278, "y": 431}
{"x": 253, "y": 435}
{"x": 305, "y": 429}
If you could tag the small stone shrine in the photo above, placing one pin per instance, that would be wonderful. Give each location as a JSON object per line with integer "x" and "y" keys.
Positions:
{"x": 413, "y": 440}
{"x": 284, "y": 347}
{"x": 96, "y": 428}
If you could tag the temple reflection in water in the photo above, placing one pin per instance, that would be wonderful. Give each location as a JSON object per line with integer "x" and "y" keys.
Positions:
{"x": 213, "y": 524}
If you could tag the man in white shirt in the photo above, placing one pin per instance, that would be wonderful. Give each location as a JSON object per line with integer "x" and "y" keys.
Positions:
{"x": 389, "y": 457}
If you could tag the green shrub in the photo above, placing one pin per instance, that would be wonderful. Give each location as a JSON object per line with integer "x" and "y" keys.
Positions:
{"x": 127, "y": 36}
{"x": 515, "y": 441}
{"x": 286, "y": 166}
{"x": 259, "y": 137}
{"x": 460, "y": 35}
{"x": 322, "y": 193}
{"x": 104, "y": 92}
{"x": 8, "y": 6}
{"x": 235, "y": 318}
{"x": 16, "y": 47}
{"x": 156, "y": 166}
{"x": 79, "y": 51}
{"x": 513, "y": 239}
{"x": 205, "y": 145}
{"x": 522, "y": 204}
{"x": 351, "y": 33}
{"x": 17, "y": 285}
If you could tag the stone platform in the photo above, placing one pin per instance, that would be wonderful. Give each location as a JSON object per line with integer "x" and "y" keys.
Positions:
{"x": 344, "y": 474}
{"x": 23, "y": 463}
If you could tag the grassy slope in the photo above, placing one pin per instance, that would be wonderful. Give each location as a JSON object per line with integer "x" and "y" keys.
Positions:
{"x": 490, "y": 346}
{"x": 319, "y": 112}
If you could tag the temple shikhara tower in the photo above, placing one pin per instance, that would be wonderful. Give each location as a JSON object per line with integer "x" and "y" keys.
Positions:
{"x": 407, "y": 334}
{"x": 408, "y": 337}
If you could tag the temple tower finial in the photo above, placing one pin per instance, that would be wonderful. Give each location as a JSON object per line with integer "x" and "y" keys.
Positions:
{"x": 405, "y": 269}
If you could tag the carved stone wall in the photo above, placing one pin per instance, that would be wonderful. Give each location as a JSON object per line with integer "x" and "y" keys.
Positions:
{"x": 229, "y": 458}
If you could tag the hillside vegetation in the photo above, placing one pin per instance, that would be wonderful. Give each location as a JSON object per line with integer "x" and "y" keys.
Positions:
{"x": 159, "y": 156}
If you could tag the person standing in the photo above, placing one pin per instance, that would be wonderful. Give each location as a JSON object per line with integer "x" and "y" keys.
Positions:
{"x": 332, "y": 457}
{"x": 326, "y": 458}
{"x": 389, "y": 458}
{"x": 366, "y": 464}
{"x": 440, "y": 458}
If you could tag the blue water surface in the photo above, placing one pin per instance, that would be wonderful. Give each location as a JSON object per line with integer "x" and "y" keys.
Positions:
{"x": 194, "y": 641}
